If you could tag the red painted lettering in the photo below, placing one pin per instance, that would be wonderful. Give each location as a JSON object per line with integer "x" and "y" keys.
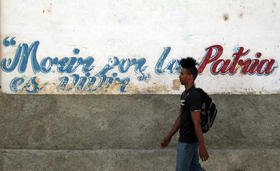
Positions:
{"x": 248, "y": 66}
{"x": 209, "y": 58}
{"x": 268, "y": 67}
{"x": 253, "y": 66}
{"x": 245, "y": 65}
{"x": 223, "y": 68}
{"x": 232, "y": 70}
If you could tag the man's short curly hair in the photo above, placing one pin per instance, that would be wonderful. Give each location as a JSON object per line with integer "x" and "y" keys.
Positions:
{"x": 189, "y": 63}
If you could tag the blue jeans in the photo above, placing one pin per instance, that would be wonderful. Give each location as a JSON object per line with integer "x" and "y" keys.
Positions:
{"x": 187, "y": 157}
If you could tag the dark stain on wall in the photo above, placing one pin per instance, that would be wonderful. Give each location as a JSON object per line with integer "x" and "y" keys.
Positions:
{"x": 274, "y": 5}
{"x": 49, "y": 9}
{"x": 225, "y": 16}
{"x": 241, "y": 15}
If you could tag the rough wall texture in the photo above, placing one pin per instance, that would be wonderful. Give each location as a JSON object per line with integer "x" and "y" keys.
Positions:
{"x": 135, "y": 46}
{"x": 123, "y": 132}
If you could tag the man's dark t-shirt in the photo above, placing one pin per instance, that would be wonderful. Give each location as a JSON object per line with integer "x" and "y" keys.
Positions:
{"x": 190, "y": 101}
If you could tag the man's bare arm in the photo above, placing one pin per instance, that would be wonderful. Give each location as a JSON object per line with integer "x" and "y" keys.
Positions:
{"x": 173, "y": 131}
{"x": 198, "y": 131}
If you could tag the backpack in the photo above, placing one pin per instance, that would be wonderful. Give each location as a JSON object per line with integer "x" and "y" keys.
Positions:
{"x": 208, "y": 111}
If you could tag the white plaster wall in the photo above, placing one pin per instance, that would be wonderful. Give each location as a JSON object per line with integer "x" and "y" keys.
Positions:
{"x": 142, "y": 29}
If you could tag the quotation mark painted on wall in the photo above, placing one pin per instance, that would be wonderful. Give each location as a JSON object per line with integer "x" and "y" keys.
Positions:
{"x": 11, "y": 42}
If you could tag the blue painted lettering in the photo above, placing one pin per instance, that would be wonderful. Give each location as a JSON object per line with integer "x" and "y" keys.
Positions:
{"x": 173, "y": 67}
{"x": 15, "y": 83}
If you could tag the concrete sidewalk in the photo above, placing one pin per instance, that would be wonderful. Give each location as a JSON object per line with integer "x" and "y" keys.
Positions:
{"x": 136, "y": 160}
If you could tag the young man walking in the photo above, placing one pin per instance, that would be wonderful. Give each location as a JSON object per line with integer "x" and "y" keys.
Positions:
{"x": 188, "y": 121}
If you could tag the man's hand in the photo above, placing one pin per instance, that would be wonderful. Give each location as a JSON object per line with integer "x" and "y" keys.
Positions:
{"x": 203, "y": 152}
{"x": 165, "y": 141}
{"x": 174, "y": 129}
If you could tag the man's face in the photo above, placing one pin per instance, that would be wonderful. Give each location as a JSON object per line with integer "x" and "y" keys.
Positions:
{"x": 185, "y": 76}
